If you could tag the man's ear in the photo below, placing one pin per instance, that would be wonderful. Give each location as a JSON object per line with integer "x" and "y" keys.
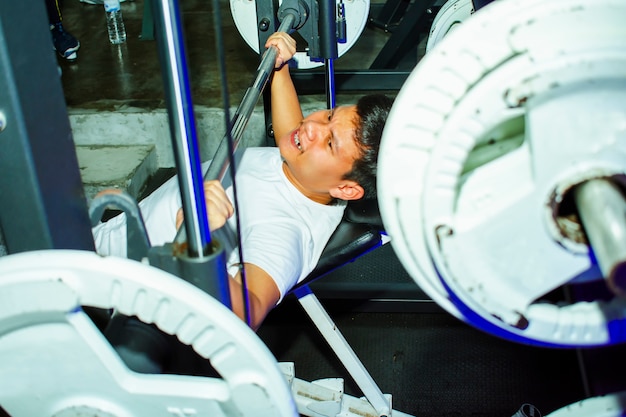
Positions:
{"x": 348, "y": 190}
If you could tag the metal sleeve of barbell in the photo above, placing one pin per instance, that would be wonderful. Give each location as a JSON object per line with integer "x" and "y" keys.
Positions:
{"x": 182, "y": 123}
{"x": 327, "y": 26}
{"x": 221, "y": 160}
{"x": 602, "y": 210}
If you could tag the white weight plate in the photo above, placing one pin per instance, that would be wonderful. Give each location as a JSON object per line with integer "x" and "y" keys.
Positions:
{"x": 449, "y": 17}
{"x": 610, "y": 405}
{"x": 356, "y": 11}
{"x": 467, "y": 165}
{"x": 55, "y": 362}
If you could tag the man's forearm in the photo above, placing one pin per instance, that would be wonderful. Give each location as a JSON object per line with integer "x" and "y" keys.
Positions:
{"x": 286, "y": 112}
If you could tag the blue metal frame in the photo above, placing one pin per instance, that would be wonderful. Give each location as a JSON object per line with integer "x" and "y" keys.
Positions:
{"x": 43, "y": 201}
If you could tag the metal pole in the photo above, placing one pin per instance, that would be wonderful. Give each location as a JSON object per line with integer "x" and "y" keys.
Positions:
{"x": 328, "y": 46}
{"x": 331, "y": 89}
{"x": 602, "y": 210}
{"x": 172, "y": 53}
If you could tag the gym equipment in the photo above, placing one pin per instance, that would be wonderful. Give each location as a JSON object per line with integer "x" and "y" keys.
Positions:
{"x": 527, "y": 410}
{"x": 451, "y": 14}
{"x": 62, "y": 286}
{"x": 42, "y": 200}
{"x": 245, "y": 18}
{"x": 352, "y": 238}
{"x": 409, "y": 23}
{"x": 479, "y": 4}
{"x": 172, "y": 57}
{"x": 46, "y": 294}
{"x": 54, "y": 287}
{"x": 611, "y": 405}
{"x": 51, "y": 347}
{"x": 324, "y": 32}
{"x": 483, "y": 161}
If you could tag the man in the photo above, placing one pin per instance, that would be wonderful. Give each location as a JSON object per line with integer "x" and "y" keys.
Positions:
{"x": 292, "y": 197}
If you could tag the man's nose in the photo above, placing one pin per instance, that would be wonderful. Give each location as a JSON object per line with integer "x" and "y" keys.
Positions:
{"x": 316, "y": 131}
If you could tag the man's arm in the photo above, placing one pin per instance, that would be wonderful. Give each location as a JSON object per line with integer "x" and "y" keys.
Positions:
{"x": 263, "y": 294}
{"x": 262, "y": 290}
{"x": 286, "y": 111}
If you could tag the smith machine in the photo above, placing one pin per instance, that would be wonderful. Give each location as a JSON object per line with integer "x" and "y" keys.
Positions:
{"x": 501, "y": 186}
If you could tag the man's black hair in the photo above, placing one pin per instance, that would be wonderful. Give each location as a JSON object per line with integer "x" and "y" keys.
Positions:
{"x": 372, "y": 111}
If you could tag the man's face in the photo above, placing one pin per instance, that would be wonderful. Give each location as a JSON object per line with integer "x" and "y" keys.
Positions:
{"x": 321, "y": 150}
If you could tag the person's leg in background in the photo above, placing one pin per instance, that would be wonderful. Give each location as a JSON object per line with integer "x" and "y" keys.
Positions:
{"x": 64, "y": 42}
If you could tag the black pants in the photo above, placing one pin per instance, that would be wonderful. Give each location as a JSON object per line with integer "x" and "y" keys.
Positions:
{"x": 54, "y": 11}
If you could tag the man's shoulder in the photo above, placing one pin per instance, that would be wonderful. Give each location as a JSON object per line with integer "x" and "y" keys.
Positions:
{"x": 263, "y": 151}
{"x": 263, "y": 158}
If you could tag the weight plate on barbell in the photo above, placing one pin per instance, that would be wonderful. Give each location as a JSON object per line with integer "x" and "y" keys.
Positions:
{"x": 55, "y": 362}
{"x": 492, "y": 128}
{"x": 356, "y": 14}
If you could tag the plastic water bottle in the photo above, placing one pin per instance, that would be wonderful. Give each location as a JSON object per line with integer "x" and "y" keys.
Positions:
{"x": 115, "y": 22}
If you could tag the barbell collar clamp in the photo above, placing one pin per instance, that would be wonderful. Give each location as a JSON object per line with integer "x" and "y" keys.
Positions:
{"x": 298, "y": 8}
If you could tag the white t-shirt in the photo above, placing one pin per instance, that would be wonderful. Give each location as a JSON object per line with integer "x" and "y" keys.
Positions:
{"x": 282, "y": 231}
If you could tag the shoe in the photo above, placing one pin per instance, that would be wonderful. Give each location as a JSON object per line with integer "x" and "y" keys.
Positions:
{"x": 64, "y": 43}
{"x": 96, "y": 1}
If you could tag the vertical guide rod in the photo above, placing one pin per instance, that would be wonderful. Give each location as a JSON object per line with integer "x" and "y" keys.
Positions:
{"x": 169, "y": 35}
{"x": 331, "y": 89}
{"x": 43, "y": 199}
{"x": 328, "y": 46}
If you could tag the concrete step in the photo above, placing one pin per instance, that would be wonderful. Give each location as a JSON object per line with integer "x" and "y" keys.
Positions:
{"x": 125, "y": 167}
{"x": 123, "y": 146}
